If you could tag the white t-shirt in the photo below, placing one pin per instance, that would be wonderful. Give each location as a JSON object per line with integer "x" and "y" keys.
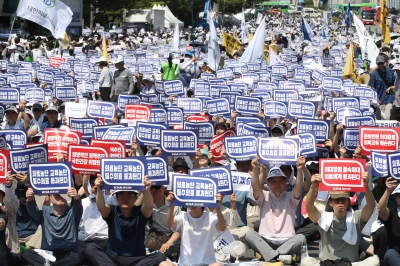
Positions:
{"x": 197, "y": 244}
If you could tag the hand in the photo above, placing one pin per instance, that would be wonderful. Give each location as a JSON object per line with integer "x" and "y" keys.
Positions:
{"x": 332, "y": 116}
{"x": 159, "y": 152}
{"x": 165, "y": 247}
{"x": 2, "y": 224}
{"x": 147, "y": 183}
{"x": 30, "y": 195}
{"x": 85, "y": 179}
{"x": 171, "y": 98}
{"x": 23, "y": 177}
{"x": 64, "y": 119}
{"x": 255, "y": 162}
{"x": 339, "y": 128}
{"x": 365, "y": 176}
{"x": 357, "y": 152}
{"x": 197, "y": 155}
{"x": 9, "y": 178}
{"x": 389, "y": 89}
{"x": 221, "y": 120}
{"x": 111, "y": 95}
{"x": 60, "y": 157}
{"x": 72, "y": 193}
{"x": 219, "y": 199}
{"x": 98, "y": 182}
{"x": 232, "y": 199}
{"x": 343, "y": 151}
{"x": 391, "y": 184}
{"x": 234, "y": 114}
{"x": 301, "y": 161}
{"x": 223, "y": 152}
{"x": 170, "y": 197}
{"x": 315, "y": 179}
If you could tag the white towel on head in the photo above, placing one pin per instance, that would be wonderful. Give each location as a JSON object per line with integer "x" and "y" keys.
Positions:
{"x": 350, "y": 236}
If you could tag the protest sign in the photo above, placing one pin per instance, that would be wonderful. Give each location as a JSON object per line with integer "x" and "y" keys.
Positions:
{"x": 66, "y": 93}
{"x": 224, "y": 74}
{"x": 285, "y": 95}
{"x": 217, "y": 143}
{"x": 124, "y": 99}
{"x": 190, "y": 105}
{"x": 393, "y": 165}
{"x": 34, "y": 95}
{"x": 298, "y": 108}
{"x": 15, "y": 138}
{"x": 58, "y": 141}
{"x": 275, "y": 109}
{"x": 173, "y": 87}
{"x": 4, "y": 165}
{"x": 194, "y": 191}
{"x": 308, "y": 145}
{"x": 247, "y": 105}
{"x": 387, "y": 123}
{"x": 221, "y": 173}
{"x": 114, "y": 148}
{"x": 136, "y": 112}
{"x": 159, "y": 115}
{"x": 242, "y": 148}
{"x": 179, "y": 142}
{"x": 96, "y": 109}
{"x": 197, "y": 118}
{"x": 85, "y": 160}
{"x": 359, "y": 121}
{"x": 278, "y": 151}
{"x": 123, "y": 173}
{"x": 50, "y": 178}
{"x": 9, "y": 95}
{"x": 175, "y": 116}
{"x": 75, "y": 110}
{"x": 99, "y": 131}
{"x": 120, "y": 133}
{"x": 56, "y": 61}
{"x": 342, "y": 113}
{"x": 45, "y": 76}
{"x": 20, "y": 159}
{"x": 149, "y": 134}
{"x": 205, "y": 129}
{"x": 319, "y": 128}
{"x": 3, "y": 142}
{"x": 342, "y": 102}
{"x": 83, "y": 125}
{"x": 251, "y": 130}
{"x": 350, "y": 138}
{"x": 157, "y": 170}
{"x": 218, "y": 107}
{"x": 378, "y": 139}
{"x": 342, "y": 175}
{"x": 331, "y": 84}
{"x": 379, "y": 164}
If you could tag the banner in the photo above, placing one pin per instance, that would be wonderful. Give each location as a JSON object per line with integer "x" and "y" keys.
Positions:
{"x": 58, "y": 141}
{"x": 308, "y": 145}
{"x": 342, "y": 174}
{"x": 9, "y": 95}
{"x": 379, "y": 139}
{"x": 65, "y": 93}
{"x": 137, "y": 112}
{"x": 20, "y": 159}
{"x": 351, "y": 138}
{"x": 217, "y": 143}
{"x": 157, "y": 170}
{"x": 379, "y": 164}
{"x": 194, "y": 191}
{"x": 96, "y": 109}
{"x": 319, "y": 128}
{"x": 83, "y": 125}
{"x": 221, "y": 173}
{"x": 114, "y": 148}
{"x": 205, "y": 129}
{"x": 179, "y": 142}
{"x": 241, "y": 148}
{"x": 120, "y": 133}
{"x": 123, "y": 173}
{"x": 278, "y": 151}
{"x": 218, "y": 107}
{"x": 190, "y": 105}
{"x": 275, "y": 109}
{"x": 149, "y": 134}
{"x": 50, "y": 178}
{"x": 298, "y": 108}
{"x": 247, "y": 105}
{"x": 4, "y": 165}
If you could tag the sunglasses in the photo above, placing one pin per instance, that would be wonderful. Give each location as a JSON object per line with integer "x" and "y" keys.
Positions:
{"x": 156, "y": 187}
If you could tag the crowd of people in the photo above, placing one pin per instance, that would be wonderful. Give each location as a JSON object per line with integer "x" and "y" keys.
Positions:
{"x": 276, "y": 216}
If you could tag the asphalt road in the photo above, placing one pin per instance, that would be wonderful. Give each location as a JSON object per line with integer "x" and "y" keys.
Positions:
{"x": 378, "y": 29}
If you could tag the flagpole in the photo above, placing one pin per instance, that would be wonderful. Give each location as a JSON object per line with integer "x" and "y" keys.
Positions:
{"x": 12, "y": 25}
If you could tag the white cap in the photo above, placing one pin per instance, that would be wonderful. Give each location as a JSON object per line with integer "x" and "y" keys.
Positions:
{"x": 117, "y": 191}
{"x": 119, "y": 59}
{"x": 397, "y": 190}
{"x": 13, "y": 47}
{"x": 102, "y": 59}
{"x": 375, "y": 226}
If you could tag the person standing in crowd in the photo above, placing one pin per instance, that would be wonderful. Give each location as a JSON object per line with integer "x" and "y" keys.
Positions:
{"x": 148, "y": 88}
{"x": 382, "y": 80}
{"x": 395, "y": 113}
{"x": 169, "y": 70}
{"x": 188, "y": 69}
{"x": 123, "y": 80}
{"x": 105, "y": 80}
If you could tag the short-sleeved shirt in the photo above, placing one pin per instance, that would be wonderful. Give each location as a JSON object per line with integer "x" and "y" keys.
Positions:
{"x": 126, "y": 234}
{"x": 392, "y": 226}
{"x": 277, "y": 215}
{"x": 380, "y": 86}
{"x": 333, "y": 246}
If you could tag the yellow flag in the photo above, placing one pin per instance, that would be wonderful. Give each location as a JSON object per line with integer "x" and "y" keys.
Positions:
{"x": 224, "y": 37}
{"x": 250, "y": 37}
{"x": 65, "y": 41}
{"x": 384, "y": 24}
{"x": 350, "y": 69}
{"x": 104, "y": 44}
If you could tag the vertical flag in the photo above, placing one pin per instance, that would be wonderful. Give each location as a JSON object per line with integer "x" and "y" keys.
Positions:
{"x": 347, "y": 18}
{"x": 350, "y": 67}
{"x": 104, "y": 44}
{"x": 214, "y": 54}
{"x": 206, "y": 9}
{"x": 274, "y": 58}
{"x": 362, "y": 34}
{"x": 244, "y": 28}
{"x": 307, "y": 32}
{"x": 255, "y": 51}
{"x": 384, "y": 24}
{"x": 175, "y": 47}
{"x": 65, "y": 42}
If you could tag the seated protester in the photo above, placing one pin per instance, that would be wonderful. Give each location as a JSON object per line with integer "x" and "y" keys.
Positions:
{"x": 126, "y": 229}
{"x": 52, "y": 116}
{"x": 391, "y": 219}
{"x": 180, "y": 166}
{"x": 276, "y": 239}
{"x": 148, "y": 88}
{"x": 341, "y": 228}
{"x": 60, "y": 224}
{"x": 201, "y": 159}
{"x": 12, "y": 122}
{"x": 197, "y": 229}
{"x": 38, "y": 117}
{"x": 277, "y": 131}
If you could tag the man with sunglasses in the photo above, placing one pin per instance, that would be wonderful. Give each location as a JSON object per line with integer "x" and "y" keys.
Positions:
{"x": 382, "y": 80}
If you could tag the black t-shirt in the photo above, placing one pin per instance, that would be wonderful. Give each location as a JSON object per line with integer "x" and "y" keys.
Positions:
{"x": 392, "y": 226}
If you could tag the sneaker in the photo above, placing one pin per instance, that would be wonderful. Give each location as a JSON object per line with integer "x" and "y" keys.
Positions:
{"x": 46, "y": 254}
{"x": 285, "y": 259}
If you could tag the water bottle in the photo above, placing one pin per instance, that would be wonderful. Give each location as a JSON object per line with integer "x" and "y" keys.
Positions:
{"x": 47, "y": 262}
{"x": 304, "y": 251}
{"x": 147, "y": 251}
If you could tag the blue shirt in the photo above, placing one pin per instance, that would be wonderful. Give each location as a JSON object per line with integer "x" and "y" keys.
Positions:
{"x": 46, "y": 124}
{"x": 126, "y": 234}
{"x": 380, "y": 86}
{"x": 58, "y": 232}
{"x": 26, "y": 226}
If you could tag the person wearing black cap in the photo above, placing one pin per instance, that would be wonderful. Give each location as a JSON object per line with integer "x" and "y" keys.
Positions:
{"x": 38, "y": 117}
{"x": 180, "y": 166}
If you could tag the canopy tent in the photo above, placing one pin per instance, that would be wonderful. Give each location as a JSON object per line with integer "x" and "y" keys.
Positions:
{"x": 145, "y": 15}
{"x": 170, "y": 19}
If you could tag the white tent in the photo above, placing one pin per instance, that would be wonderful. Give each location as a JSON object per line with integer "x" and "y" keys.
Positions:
{"x": 170, "y": 19}
{"x": 145, "y": 15}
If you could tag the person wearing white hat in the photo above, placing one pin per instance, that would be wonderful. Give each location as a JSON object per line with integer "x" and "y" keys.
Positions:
{"x": 390, "y": 217}
{"x": 14, "y": 57}
{"x": 105, "y": 80}
{"x": 123, "y": 80}
{"x": 395, "y": 112}
{"x": 11, "y": 114}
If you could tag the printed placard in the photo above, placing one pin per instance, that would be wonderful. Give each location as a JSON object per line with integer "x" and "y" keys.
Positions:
{"x": 378, "y": 139}
{"x": 221, "y": 173}
{"x": 294, "y": 86}
{"x": 58, "y": 141}
{"x": 350, "y": 138}
{"x": 34, "y": 95}
{"x": 365, "y": 92}
{"x": 215, "y": 90}
{"x": 275, "y": 109}
{"x": 197, "y": 118}
{"x": 218, "y": 107}
{"x": 243, "y": 148}
{"x": 359, "y": 121}
{"x": 342, "y": 175}
{"x": 157, "y": 170}
{"x": 224, "y": 74}
{"x": 278, "y": 151}
{"x": 124, "y": 100}
{"x": 83, "y": 125}
{"x": 3, "y": 142}
{"x": 149, "y": 134}
{"x": 175, "y": 116}
{"x": 319, "y": 128}
{"x": 298, "y": 108}
{"x": 114, "y": 148}
{"x": 120, "y": 133}
{"x": 81, "y": 69}
{"x": 45, "y": 76}
{"x": 99, "y": 131}
{"x": 136, "y": 112}
{"x": 342, "y": 113}
{"x": 4, "y": 165}
{"x": 379, "y": 164}
{"x": 85, "y": 159}
{"x": 158, "y": 115}
{"x": 173, "y": 87}
{"x": 393, "y": 161}
{"x": 50, "y": 178}
{"x": 251, "y": 130}
{"x": 285, "y": 95}
{"x": 16, "y": 138}
{"x": 123, "y": 173}
{"x": 20, "y": 159}
{"x": 9, "y": 95}
{"x": 194, "y": 191}
{"x": 387, "y": 123}
{"x": 308, "y": 145}
{"x": 96, "y": 109}
{"x": 332, "y": 84}
{"x": 217, "y": 143}
{"x": 247, "y": 105}
{"x": 342, "y": 102}
{"x": 205, "y": 129}
{"x": 65, "y": 93}
{"x": 318, "y": 75}
{"x": 190, "y": 105}
{"x": 179, "y": 142}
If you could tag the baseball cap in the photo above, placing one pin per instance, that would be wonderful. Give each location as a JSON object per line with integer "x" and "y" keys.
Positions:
{"x": 51, "y": 108}
{"x": 396, "y": 67}
{"x": 11, "y": 108}
{"x": 380, "y": 59}
{"x": 117, "y": 191}
{"x": 180, "y": 162}
{"x": 396, "y": 191}
{"x": 274, "y": 172}
{"x": 279, "y": 127}
{"x": 28, "y": 112}
{"x": 339, "y": 194}
{"x": 37, "y": 106}
{"x": 148, "y": 78}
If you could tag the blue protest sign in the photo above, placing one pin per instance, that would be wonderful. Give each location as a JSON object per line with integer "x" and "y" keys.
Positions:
{"x": 319, "y": 128}
{"x": 12, "y": 68}
{"x": 350, "y": 138}
{"x": 221, "y": 173}
{"x": 308, "y": 145}
{"x": 84, "y": 87}
{"x": 224, "y": 74}
{"x": 190, "y": 105}
{"x": 83, "y": 125}
{"x": 194, "y": 191}
{"x": 298, "y": 108}
{"x": 252, "y": 76}
{"x": 159, "y": 115}
{"x": 173, "y": 87}
{"x": 293, "y": 86}
{"x": 201, "y": 86}
{"x": 65, "y": 93}
{"x": 218, "y": 107}
{"x": 242, "y": 148}
{"x": 364, "y": 103}
{"x": 20, "y": 159}
{"x": 120, "y": 133}
{"x": 379, "y": 164}
{"x": 9, "y": 95}
{"x": 2, "y": 113}
{"x": 278, "y": 151}
{"x": 202, "y": 92}
{"x": 359, "y": 121}
{"x": 205, "y": 129}
{"x": 247, "y": 105}
{"x": 59, "y": 82}
{"x": 332, "y": 84}
{"x": 99, "y": 131}
{"x": 123, "y": 173}
{"x": 285, "y": 95}
{"x": 230, "y": 96}
{"x": 239, "y": 87}
{"x": 365, "y": 92}
{"x": 217, "y": 82}
{"x": 175, "y": 116}
{"x": 348, "y": 89}
{"x": 393, "y": 160}
{"x": 275, "y": 109}
{"x": 159, "y": 85}
{"x": 252, "y": 130}
{"x": 34, "y": 95}
{"x": 216, "y": 89}
{"x": 127, "y": 99}
{"x": 266, "y": 86}
{"x": 45, "y": 76}
{"x": 96, "y": 109}
{"x": 341, "y": 113}
{"x": 342, "y": 102}
{"x": 318, "y": 75}
{"x": 68, "y": 81}
{"x": 157, "y": 170}
{"x": 50, "y": 178}
{"x": 264, "y": 96}
{"x": 81, "y": 69}
{"x": 64, "y": 66}
{"x": 16, "y": 138}
{"x": 179, "y": 142}
{"x": 279, "y": 69}
{"x": 149, "y": 134}
{"x": 25, "y": 77}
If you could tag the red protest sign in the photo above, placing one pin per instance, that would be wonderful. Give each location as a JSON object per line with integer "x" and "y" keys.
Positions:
{"x": 4, "y": 165}
{"x": 101, "y": 121}
{"x": 217, "y": 143}
{"x": 137, "y": 112}
{"x": 58, "y": 141}
{"x": 342, "y": 175}
{"x": 178, "y": 127}
{"x": 197, "y": 118}
{"x": 85, "y": 159}
{"x": 380, "y": 139}
{"x": 56, "y": 61}
{"x": 114, "y": 148}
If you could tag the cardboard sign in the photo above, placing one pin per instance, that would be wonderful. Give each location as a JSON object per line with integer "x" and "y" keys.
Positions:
{"x": 50, "y": 178}
{"x": 379, "y": 139}
{"x": 136, "y": 112}
{"x": 278, "y": 151}
{"x": 16, "y": 138}
{"x": 173, "y": 87}
{"x": 242, "y": 148}
{"x": 157, "y": 170}
{"x": 342, "y": 102}
{"x": 359, "y": 121}
{"x": 221, "y": 173}
{"x": 379, "y": 164}
{"x": 342, "y": 175}
{"x": 217, "y": 143}
{"x": 85, "y": 160}
{"x": 58, "y": 141}
{"x": 20, "y": 159}
{"x": 75, "y": 110}
{"x": 285, "y": 95}
{"x": 179, "y": 142}
{"x": 123, "y": 173}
